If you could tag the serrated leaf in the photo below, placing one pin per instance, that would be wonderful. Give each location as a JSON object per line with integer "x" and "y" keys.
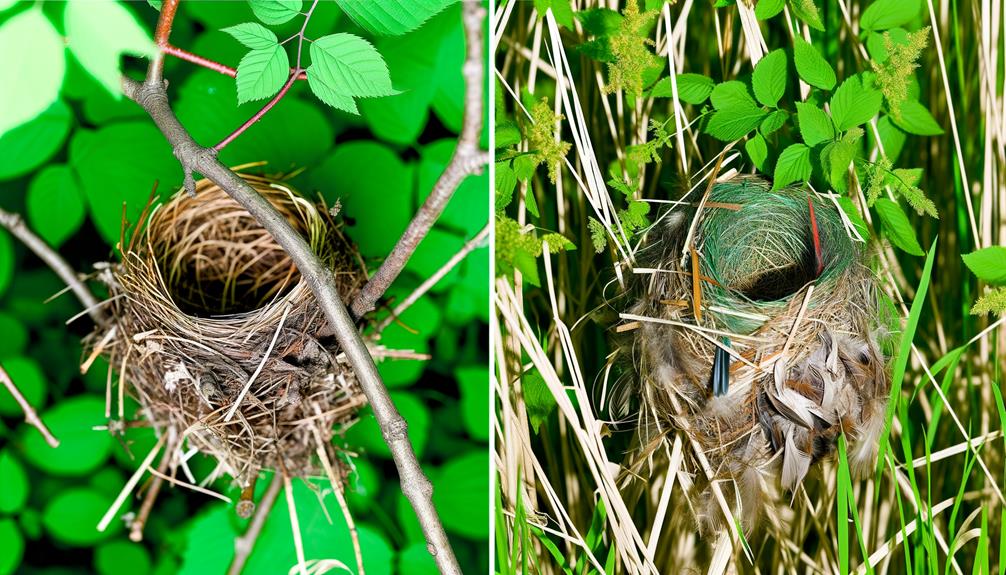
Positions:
{"x": 854, "y": 104}
{"x": 811, "y": 66}
{"x": 538, "y": 400}
{"x": 261, "y": 73}
{"x": 774, "y": 121}
{"x": 769, "y": 78}
{"x": 766, "y": 9}
{"x": 507, "y": 134}
{"x": 274, "y": 12}
{"x": 885, "y": 14}
{"x": 988, "y": 264}
{"x": 34, "y": 57}
{"x": 99, "y": 33}
{"x": 350, "y": 66}
{"x": 807, "y": 11}
{"x": 253, "y": 35}
{"x": 732, "y": 94}
{"x": 793, "y": 165}
{"x": 692, "y": 88}
{"x": 392, "y": 17}
{"x": 916, "y": 119}
{"x": 815, "y": 125}
{"x": 734, "y": 123}
{"x": 897, "y": 227}
{"x": 837, "y": 156}
{"x": 757, "y": 150}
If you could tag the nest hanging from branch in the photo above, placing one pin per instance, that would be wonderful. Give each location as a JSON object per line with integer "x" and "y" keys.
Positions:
{"x": 219, "y": 339}
{"x": 759, "y": 340}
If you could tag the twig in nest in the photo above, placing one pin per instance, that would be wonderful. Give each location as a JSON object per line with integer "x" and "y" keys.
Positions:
{"x": 157, "y": 479}
{"x": 30, "y": 417}
{"x": 244, "y": 544}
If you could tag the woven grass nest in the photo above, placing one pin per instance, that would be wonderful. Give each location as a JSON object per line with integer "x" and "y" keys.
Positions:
{"x": 205, "y": 302}
{"x": 769, "y": 355}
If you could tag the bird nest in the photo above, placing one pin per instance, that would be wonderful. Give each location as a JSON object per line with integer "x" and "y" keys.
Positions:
{"x": 759, "y": 339}
{"x": 219, "y": 339}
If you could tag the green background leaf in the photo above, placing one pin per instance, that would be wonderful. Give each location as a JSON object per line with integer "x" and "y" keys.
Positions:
{"x": 988, "y": 264}
{"x": 392, "y": 17}
{"x": 39, "y": 63}
{"x": 98, "y": 51}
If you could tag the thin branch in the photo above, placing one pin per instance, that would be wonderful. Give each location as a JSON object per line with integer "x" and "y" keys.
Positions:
{"x": 152, "y": 97}
{"x": 30, "y": 417}
{"x": 433, "y": 279}
{"x": 16, "y": 226}
{"x": 136, "y": 528}
{"x": 467, "y": 159}
{"x": 200, "y": 61}
{"x": 244, "y": 544}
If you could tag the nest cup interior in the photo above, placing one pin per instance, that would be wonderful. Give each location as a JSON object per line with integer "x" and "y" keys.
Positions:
{"x": 216, "y": 259}
{"x": 758, "y": 245}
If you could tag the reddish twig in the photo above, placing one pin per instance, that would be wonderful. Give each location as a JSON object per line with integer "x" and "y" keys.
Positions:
{"x": 294, "y": 74}
{"x": 199, "y": 60}
{"x": 467, "y": 159}
{"x": 30, "y": 417}
{"x": 244, "y": 544}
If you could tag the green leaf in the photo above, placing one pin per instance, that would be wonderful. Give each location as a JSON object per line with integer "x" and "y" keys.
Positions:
{"x": 854, "y": 104}
{"x": 507, "y": 134}
{"x": 897, "y": 227}
{"x": 891, "y": 137}
{"x": 30, "y": 145}
{"x": 766, "y": 9}
{"x": 90, "y": 36}
{"x": 81, "y": 448}
{"x": 15, "y": 337}
{"x": 815, "y": 125}
{"x": 392, "y": 17}
{"x": 692, "y": 88}
{"x": 261, "y": 73}
{"x": 345, "y": 66}
{"x": 460, "y": 494}
{"x": 72, "y": 516}
{"x": 807, "y": 11}
{"x": 108, "y": 182}
{"x": 538, "y": 400}
{"x": 55, "y": 204}
{"x": 12, "y": 550}
{"x": 253, "y": 35}
{"x": 769, "y": 78}
{"x": 121, "y": 557}
{"x": 561, "y": 11}
{"x": 916, "y": 119}
{"x": 347, "y": 175}
{"x": 857, "y": 220}
{"x": 734, "y": 123}
{"x": 811, "y": 67}
{"x": 15, "y": 484}
{"x": 29, "y": 378}
{"x": 885, "y": 14}
{"x": 33, "y": 67}
{"x": 836, "y": 157}
{"x": 274, "y": 12}
{"x": 732, "y": 94}
{"x": 775, "y": 120}
{"x": 793, "y": 165}
{"x": 474, "y": 385}
{"x": 988, "y": 264}
{"x": 757, "y": 150}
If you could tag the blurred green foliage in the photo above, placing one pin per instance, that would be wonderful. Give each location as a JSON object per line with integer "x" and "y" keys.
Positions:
{"x": 69, "y": 171}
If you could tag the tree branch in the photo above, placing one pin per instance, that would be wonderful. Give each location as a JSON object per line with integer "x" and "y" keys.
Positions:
{"x": 16, "y": 226}
{"x": 244, "y": 544}
{"x": 30, "y": 417}
{"x": 467, "y": 159}
{"x": 152, "y": 97}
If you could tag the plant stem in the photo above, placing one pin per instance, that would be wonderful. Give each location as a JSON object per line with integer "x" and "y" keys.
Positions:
{"x": 244, "y": 544}
{"x": 152, "y": 97}
{"x": 199, "y": 60}
{"x": 467, "y": 159}
{"x": 30, "y": 417}
{"x": 16, "y": 226}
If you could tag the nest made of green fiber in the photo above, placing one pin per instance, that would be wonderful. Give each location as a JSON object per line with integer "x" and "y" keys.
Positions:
{"x": 801, "y": 331}
{"x": 196, "y": 304}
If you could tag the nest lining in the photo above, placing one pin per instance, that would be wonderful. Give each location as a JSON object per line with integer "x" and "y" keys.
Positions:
{"x": 804, "y": 360}
{"x": 203, "y": 300}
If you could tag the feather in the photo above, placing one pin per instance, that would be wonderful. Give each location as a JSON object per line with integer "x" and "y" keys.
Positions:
{"x": 795, "y": 464}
